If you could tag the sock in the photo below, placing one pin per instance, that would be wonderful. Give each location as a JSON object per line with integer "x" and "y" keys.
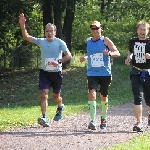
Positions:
{"x": 44, "y": 115}
{"x": 92, "y": 107}
{"x": 104, "y": 105}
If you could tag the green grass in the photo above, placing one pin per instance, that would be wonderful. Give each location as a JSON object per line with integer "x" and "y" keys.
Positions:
{"x": 19, "y": 95}
{"x": 138, "y": 143}
{"x": 19, "y": 98}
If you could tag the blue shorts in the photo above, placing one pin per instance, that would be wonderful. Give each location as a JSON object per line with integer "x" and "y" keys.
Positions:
{"x": 48, "y": 80}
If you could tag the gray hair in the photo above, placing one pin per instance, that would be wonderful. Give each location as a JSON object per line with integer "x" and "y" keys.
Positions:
{"x": 51, "y": 25}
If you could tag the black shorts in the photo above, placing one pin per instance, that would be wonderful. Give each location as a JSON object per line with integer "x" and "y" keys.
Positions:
{"x": 103, "y": 81}
{"x": 48, "y": 80}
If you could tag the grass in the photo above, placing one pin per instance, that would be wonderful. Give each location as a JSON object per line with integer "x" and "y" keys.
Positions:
{"x": 19, "y": 95}
{"x": 138, "y": 143}
{"x": 19, "y": 98}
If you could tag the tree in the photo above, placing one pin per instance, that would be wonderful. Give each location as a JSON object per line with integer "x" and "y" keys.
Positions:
{"x": 64, "y": 25}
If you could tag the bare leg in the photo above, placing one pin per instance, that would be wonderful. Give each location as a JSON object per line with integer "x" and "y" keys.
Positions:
{"x": 60, "y": 108}
{"x": 44, "y": 104}
{"x": 148, "y": 109}
{"x": 44, "y": 100}
{"x": 138, "y": 112}
{"x": 58, "y": 99}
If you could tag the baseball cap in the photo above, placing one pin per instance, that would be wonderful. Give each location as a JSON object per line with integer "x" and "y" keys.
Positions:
{"x": 95, "y": 23}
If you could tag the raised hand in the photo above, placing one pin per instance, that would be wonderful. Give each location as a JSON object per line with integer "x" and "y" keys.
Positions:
{"x": 22, "y": 19}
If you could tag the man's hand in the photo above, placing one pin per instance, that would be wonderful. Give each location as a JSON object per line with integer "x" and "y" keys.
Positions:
{"x": 106, "y": 52}
{"x": 147, "y": 56}
{"x": 22, "y": 19}
{"x": 82, "y": 59}
{"x": 54, "y": 63}
{"x": 127, "y": 61}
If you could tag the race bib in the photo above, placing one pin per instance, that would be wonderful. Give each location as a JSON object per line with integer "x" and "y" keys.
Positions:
{"x": 149, "y": 71}
{"x": 48, "y": 64}
{"x": 139, "y": 52}
{"x": 97, "y": 60}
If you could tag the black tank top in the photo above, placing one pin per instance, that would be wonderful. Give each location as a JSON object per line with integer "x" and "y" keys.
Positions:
{"x": 139, "y": 48}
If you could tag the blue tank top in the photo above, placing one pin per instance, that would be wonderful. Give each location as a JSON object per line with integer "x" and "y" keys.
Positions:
{"x": 98, "y": 63}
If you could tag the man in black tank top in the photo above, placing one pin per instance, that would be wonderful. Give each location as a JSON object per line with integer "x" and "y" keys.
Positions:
{"x": 139, "y": 56}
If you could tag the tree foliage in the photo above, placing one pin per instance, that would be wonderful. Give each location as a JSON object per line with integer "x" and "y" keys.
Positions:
{"x": 72, "y": 18}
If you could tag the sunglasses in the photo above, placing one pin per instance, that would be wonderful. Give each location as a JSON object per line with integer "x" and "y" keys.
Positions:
{"x": 95, "y": 28}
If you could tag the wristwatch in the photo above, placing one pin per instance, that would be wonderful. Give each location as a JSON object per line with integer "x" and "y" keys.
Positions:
{"x": 109, "y": 53}
{"x": 59, "y": 61}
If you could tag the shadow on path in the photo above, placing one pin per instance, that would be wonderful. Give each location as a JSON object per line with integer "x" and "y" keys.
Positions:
{"x": 71, "y": 132}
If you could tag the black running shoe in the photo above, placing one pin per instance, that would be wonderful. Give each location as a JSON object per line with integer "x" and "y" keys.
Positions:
{"x": 103, "y": 124}
{"x": 138, "y": 127}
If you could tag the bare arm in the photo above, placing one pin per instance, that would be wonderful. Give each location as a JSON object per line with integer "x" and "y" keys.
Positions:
{"x": 67, "y": 56}
{"x": 114, "y": 51}
{"x": 64, "y": 59}
{"x": 25, "y": 34}
{"x": 128, "y": 59}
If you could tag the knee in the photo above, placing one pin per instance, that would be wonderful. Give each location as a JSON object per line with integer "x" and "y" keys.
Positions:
{"x": 137, "y": 100}
{"x": 92, "y": 95}
{"x": 44, "y": 96}
{"x": 57, "y": 98}
{"x": 103, "y": 97}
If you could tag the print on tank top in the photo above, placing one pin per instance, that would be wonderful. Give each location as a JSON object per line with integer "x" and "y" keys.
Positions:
{"x": 97, "y": 60}
{"x": 139, "y": 52}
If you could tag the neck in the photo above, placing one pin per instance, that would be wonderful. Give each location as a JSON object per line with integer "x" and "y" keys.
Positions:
{"x": 95, "y": 38}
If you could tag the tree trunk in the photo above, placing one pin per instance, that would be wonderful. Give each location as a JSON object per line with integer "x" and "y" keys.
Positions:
{"x": 68, "y": 20}
{"x": 57, "y": 19}
{"x": 67, "y": 28}
{"x": 47, "y": 12}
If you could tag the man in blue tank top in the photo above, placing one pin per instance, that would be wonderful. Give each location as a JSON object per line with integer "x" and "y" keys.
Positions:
{"x": 99, "y": 50}
{"x": 50, "y": 75}
{"x": 139, "y": 55}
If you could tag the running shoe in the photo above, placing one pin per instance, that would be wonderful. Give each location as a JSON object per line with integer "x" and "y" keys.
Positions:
{"x": 138, "y": 127}
{"x": 103, "y": 124}
{"x": 43, "y": 122}
{"x": 148, "y": 119}
{"x": 59, "y": 113}
{"x": 92, "y": 125}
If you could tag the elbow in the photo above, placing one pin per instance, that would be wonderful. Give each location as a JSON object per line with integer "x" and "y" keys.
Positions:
{"x": 119, "y": 55}
{"x": 25, "y": 37}
{"x": 69, "y": 56}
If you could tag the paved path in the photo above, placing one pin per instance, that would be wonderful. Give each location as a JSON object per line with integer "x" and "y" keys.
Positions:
{"x": 71, "y": 132}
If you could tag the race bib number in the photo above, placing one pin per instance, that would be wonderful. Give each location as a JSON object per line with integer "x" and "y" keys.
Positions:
{"x": 139, "y": 52}
{"x": 97, "y": 60}
{"x": 48, "y": 64}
